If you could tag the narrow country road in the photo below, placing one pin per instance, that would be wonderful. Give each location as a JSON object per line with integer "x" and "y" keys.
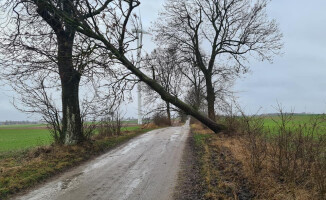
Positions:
{"x": 144, "y": 168}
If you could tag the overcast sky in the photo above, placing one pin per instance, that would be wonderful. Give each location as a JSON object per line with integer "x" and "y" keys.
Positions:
{"x": 297, "y": 79}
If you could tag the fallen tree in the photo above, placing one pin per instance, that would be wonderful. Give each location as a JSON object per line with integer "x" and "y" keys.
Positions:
{"x": 107, "y": 22}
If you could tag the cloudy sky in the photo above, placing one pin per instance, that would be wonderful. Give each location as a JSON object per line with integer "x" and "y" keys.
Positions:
{"x": 297, "y": 79}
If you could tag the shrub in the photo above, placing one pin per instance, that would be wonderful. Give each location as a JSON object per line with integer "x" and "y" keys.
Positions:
{"x": 161, "y": 120}
{"x": 253, "y": 128}
{"x": 110, "y": 125}
{"x": 294, "y": 153}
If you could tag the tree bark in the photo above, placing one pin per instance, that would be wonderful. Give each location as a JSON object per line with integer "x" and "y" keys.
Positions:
{"x": 210, "y": 97}
{"x": 70, "y": 78}
{"x": 168, "y": 112}
{"x": 197, "y": 98}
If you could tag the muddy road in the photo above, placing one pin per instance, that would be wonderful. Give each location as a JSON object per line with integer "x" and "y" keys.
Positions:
{"x": 144, "y": 168}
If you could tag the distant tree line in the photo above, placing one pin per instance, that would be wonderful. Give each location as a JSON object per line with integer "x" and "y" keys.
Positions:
{"x": 8, "y": 122}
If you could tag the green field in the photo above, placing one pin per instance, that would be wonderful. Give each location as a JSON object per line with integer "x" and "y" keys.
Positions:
{"x": 273, "y": 121}
{"x": 20, "y": 137}
{"x": 296, "y": 119}
{"x": 130, "y": 128}
{"x": 297, "y": 123}
{"x": 22, "y": 126}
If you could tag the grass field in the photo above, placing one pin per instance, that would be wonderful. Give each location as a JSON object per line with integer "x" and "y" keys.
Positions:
{"x": 22, "y": 126}
{"x": 20, "y": 137}
{"x": 273, "y": 123}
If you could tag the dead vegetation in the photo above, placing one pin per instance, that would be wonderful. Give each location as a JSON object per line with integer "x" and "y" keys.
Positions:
{"x": 221, "y": 173}
{"x": 287, "y": 161}
{"x": 160, "y": 119}
{"x": 110, "y": 125}
{"x": 255, "y": 162}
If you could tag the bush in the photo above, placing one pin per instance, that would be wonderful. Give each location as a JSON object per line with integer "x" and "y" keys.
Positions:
{"x": 253, "y": 128}
{"x": 294, "y": 153}
{"x": 110, "y": 125}
{"x": 161, "y": 120}
{"x": 298, "y": 153}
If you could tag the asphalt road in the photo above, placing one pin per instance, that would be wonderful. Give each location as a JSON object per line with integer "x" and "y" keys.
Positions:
{"x": 144, "y": 168}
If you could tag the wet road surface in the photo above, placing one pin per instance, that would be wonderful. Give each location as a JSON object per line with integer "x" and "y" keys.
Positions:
{"x": 144, "y": 168}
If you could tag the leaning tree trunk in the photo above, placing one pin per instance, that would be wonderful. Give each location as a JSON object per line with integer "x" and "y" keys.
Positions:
{"x": 70, "y": 78}
{"x": 168, "y": 112}
{"x": 152, "y": 83}
{"x": 210, "y": 97}
{"x": 164, "y": 94}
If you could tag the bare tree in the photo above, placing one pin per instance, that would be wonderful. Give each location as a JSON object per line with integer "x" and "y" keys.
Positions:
{"x": 162, "y": 64}
{"x": 108, "y": 22}
{"x": 36, "y": 99}
{"x": 38, "y": 30}
{"x": 218, "y": 34}
{"x": 36, "y": 41}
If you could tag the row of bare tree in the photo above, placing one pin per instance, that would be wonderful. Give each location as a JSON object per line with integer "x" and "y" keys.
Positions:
{"x": 65, "y": 44}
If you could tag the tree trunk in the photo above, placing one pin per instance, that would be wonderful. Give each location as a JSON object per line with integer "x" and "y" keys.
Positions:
{"x": 197, "y": 98}
{"x": 210, "y": 97}
{"x": 70, "y": 78}
{"x": 168, "y": 112}
{"x": 165, "y": 95}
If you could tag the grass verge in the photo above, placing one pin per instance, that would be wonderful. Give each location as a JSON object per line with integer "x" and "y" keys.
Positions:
{"x": 190, "y": 180}
{"x": 24, "y": 169}
{"x": 221, "y": 173}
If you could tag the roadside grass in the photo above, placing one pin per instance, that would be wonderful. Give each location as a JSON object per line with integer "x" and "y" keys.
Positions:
{"x": 220, "y": 173}
{"x": 24, "y": 169}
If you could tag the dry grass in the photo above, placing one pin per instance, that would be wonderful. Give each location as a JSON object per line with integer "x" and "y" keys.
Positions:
{"x": 263, "y": 184}
{"x": 220, "y": 171}
{"x": 150, "y": 126}
{"x": 230, "y": 173}
{"x": 289, "y": 164}
{"x": 200, "y": 129}
{"x": 160, "y": 119}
